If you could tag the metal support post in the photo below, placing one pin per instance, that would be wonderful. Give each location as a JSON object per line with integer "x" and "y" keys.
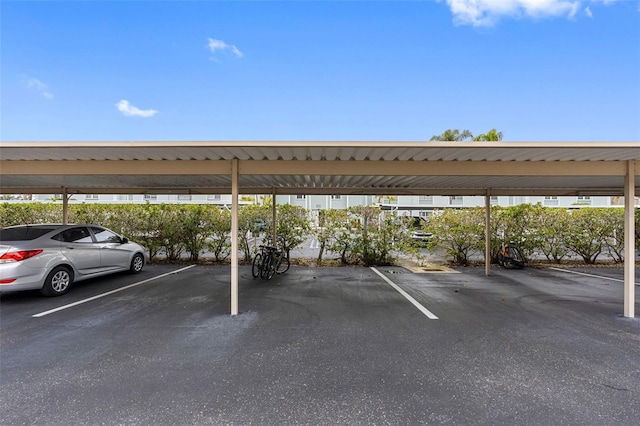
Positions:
{"x": 487, "y": 234}
{"x": 274, "y": 231}
{"x": 234, "y": 237}
{"x": 629, "y": 241}
{"x": 65, "y": 206}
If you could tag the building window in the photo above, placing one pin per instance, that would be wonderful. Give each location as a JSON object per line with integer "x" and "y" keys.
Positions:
{"x": 336, "y": 197}
{"x": 184, "y": 197}
{"x": 216, "y": 197}
{"x": 150, "y": 197}
{"x": 493, "y": 200}
{"x": 455, "y": 200}
{"x": 584, "y": 200}
{"x": 425, "y": 199}
{"x": 93, "y": 197}
{"x": 125, "y": 197}
{"x": 551, "y": 201}
{"x": 301, "y": 197}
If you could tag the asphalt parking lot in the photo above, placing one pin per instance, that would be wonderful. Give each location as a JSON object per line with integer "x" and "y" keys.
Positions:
{"x": 323, "y": 346}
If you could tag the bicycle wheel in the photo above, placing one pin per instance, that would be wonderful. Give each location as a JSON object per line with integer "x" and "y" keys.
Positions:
{"x": 266, "y": 265}
{"x": 283, "y": 265}
{"x": 272, "y": 270}
{"x": 257, "y": 265}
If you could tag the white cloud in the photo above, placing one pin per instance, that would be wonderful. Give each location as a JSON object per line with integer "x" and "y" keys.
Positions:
{"x": 129, "y": 110}
{"x": 35, "y": 84}
{"x": 487, "y": 12}
{"x": 218, "y": 45}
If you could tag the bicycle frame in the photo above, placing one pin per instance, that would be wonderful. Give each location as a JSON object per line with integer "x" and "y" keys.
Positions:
{"x": 268, "y": 262}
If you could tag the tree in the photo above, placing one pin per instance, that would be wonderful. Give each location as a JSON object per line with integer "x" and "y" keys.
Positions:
{"x": 519, "y": 225}
{"x": 615, "y": 240}
{"x": 342, "y": 238}
{"x": 197, "y": 227}
{"x": 330, "y": 228}
{"x": 20, "y": 214}
{"x": 554, "y": 226}
{"x": 248, "y": 218}
{"x": 96, "y": 214}
{"x": 458, "y": 232}
{"x": 453, "y": 135}
{"x": 151, "y": 223}
{"x": 490, "y": 136}
{"x": 496, "y": 231}
{"x": 376, "y": 235}
{"x": 589, "y": 230}
{"x": 219, "y": 243}
{"x": 293, "y": 226}
{"x": 171, "y": 231}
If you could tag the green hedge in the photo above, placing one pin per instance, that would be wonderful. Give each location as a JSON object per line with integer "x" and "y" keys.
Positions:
{"x": 358, "y": 235}
{"x": 553, "y": 232}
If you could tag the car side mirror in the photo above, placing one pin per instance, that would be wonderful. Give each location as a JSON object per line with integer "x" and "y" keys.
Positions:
{"x": 124, "y": 240}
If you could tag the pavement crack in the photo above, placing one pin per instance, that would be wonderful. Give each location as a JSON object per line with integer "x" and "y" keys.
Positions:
{"x": 614, "y": 388}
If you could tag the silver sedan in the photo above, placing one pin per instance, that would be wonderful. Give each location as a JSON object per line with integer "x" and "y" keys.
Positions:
{"x": 50, "y": 257}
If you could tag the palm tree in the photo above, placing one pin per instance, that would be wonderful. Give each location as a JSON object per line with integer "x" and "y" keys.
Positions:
{"x": 453, "y": 135}
{"x": 491, "y": 136}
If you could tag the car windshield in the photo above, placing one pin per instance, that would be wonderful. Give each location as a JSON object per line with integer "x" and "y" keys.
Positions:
{"x": 24, "y": 233}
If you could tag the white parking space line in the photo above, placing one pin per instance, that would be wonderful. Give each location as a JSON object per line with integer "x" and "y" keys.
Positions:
{"x": 586, "y": 275}
{"x": 406, "y": 295}
{"x": 70, "y": 305}
{"x": 315, "y": 244}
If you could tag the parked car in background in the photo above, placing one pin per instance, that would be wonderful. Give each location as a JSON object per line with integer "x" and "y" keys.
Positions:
{"x": 421, "y": 237}
{"x": 418, "y": 234}
{"x": 50, "y": 257}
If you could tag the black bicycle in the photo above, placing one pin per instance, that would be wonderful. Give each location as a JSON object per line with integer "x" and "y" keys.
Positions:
{"x": 268, "y": 262}
{"x": 281, "y": 256}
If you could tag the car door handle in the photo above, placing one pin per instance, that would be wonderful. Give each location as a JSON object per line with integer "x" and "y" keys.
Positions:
{"x": 70, "y": 247}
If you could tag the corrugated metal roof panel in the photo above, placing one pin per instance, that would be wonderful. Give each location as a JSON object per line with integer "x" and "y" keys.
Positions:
{"x": 389, "y": 151}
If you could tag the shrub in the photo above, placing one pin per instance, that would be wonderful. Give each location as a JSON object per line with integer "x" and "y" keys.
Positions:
{"x": 219, "y": 243}
{"x": 376, "y": 236}
{"x": 554, "y": 227}
{"x": 458, "y": 232}
{"x": 248, "y": 218}
{"x": 587, "y": 233}
{"x": 329, "y": 223}
{"x": 614, "y": 241}
{"x": 293, "y": 226}
{"x": 520, "y": 225}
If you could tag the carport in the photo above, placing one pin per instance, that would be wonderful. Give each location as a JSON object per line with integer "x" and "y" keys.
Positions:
{"x": 331, "y": 168}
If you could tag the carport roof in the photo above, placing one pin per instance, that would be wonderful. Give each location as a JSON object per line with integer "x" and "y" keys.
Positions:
{"x": 312, "y": 167}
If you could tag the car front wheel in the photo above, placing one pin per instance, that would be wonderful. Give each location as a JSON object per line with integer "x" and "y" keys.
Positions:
{"x": 136, "y": 263}
{"x": 58, "y": 282}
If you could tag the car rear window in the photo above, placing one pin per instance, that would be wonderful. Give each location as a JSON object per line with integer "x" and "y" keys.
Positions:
{"x": 23, "y": 233}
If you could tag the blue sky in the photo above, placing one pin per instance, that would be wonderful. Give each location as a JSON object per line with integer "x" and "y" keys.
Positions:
{"x": 537, "y": 70}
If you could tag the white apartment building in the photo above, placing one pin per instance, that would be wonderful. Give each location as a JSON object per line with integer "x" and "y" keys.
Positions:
{"x": 415, "y": 205}
{"x": 130, "y": 198}
{"x": 422, "y": 205}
